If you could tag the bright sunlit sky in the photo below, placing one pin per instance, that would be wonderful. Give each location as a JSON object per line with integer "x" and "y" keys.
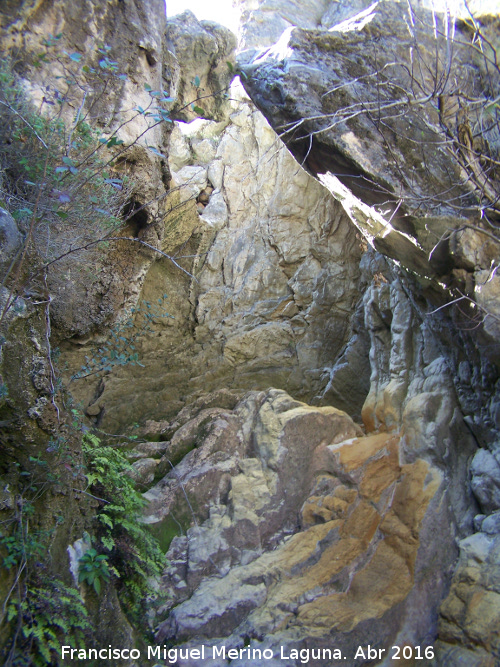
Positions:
{"x": 221, "y": 11}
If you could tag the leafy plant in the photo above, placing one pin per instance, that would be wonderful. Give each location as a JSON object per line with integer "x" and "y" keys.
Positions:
{"x": 134, "y": 554}
{"x": 40, "y": 610}
{"x": 23, "y": 544}
{"x": 48, "y": 614}
{"x": 92, "y": 569}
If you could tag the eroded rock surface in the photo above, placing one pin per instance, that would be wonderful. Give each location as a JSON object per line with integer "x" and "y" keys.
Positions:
{"x": 343, "y": 96}
{"x": 470, "y": 615}
{"x": 288, "y": 523}
{"x": 274, "y": 278}
{"x": 199, "y": 60}
{"x": 290, "y": 526}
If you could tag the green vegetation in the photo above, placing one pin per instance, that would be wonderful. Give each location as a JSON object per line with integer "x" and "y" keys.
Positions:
{"x": 48, "y": 614}
{"x": 92, "y": 569}
{"x": 60, "y": 178}
{"x": 41, "y": 610}
{"x": 134, "y": 555}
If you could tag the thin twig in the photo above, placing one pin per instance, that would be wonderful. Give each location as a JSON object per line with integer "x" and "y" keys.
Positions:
{"x": 89, "y": 494}
{"x": 11, "y": 108}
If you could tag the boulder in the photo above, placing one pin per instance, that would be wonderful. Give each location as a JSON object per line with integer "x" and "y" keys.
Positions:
{"x": 298, "y": 526}
{"x": 199, "y": 52}
{"x": 470, "y": 615}
{"x": 485, "y": 482}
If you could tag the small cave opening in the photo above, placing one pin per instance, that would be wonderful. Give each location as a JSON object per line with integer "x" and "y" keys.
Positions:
{"x": 136, "y": 217}
{"x": 150, "y": 57}
{"x": 204, "y": 197}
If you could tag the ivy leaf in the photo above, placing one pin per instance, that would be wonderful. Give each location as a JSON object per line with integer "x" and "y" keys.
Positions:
{"x": 156, "y": 152}
{"x": 114, "y": 142}
{"x": 115, "y": 182}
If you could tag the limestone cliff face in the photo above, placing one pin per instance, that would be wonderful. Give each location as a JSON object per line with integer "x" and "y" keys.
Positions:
{"x": 271, "y": 269}
{"x": 310, "y": 85}
{"x": 361, "y": 99}
{"x": 318, "y": 435}
{"x": 274, "y": 282}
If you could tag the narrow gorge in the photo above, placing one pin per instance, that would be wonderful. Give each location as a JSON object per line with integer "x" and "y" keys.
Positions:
{"x": 249, "y": 337}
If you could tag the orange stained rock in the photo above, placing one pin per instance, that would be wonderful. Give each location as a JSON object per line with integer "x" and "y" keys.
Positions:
{"x": 326, "y": 508}
{"x": 381, "y": 473}
{"x": 471, "y": 614}
{"x": 356, "y": 453}
{"x": 417, "y": 486}
{"x": 388, "y": 576}
{"x": 362, "y": 522}
{"x": 300, "y": 546}
{"x": 345, "y": 493}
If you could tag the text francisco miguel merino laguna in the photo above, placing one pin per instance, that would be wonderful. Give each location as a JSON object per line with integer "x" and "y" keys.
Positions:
{"x": 172, "y": 655}
{"x": 304, "y": 655}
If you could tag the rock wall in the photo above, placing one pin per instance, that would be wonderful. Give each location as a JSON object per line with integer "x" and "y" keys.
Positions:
{"x": 291, "y": 526}
{"x": 317, "y": 430}
{"x": 83, "y": 302}
{"x": 309, "y": 85}
{"x": 274, "y": 266}
{"x": 361, "y": 99}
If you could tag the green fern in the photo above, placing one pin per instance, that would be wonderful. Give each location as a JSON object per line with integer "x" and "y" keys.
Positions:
{"x": 51, "y": 613}
{"x": 133, "y": 553}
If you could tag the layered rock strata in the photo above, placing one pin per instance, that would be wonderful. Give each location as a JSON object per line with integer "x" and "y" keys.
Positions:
{"x": 287, "y": 524}
{"x": 292, "y": 528}
{"x": 365, "y": 100}
{"x": 315, "y": 87}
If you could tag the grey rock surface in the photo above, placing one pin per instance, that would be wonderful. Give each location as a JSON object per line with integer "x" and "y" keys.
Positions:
{"x": 341, "y": 68}
{"x": 10, "y": 240}
{"x": 199, "y": 53}
{"x": 485, "y": 482}
{"x": 356, "y": 104}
